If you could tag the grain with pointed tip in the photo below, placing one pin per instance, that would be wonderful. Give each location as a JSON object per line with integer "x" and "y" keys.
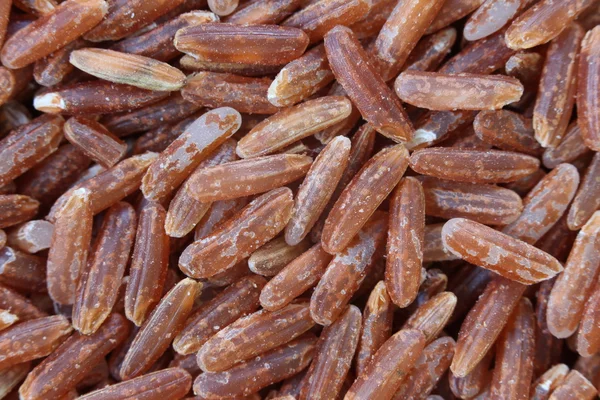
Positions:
{"x": 348, "y": 269}
{"x": 558, "y": 86}
{"x": 301, "y": 78}
{"x": 293, "y": 124}
{"x": 28, "y": 145}
{"x": 361, "y": 197}
{"x": 236, "y": 301}
{"x": 186, "y": 152}
{"x": 67, "y": 22}
{"x": 252, "y": 335}
{"x": 295, "y": 278}
{"x": 98, "y": 288}
{"x": 514, "y": 355}
{"x": 247, "y": 177}
{"x": 486, "y": 204}
{"x": 149, "y": 263}
{"x": 251, "y": 376}
{"x": 543, "y": 22}
{"x": 376, "y": 102}
{"x": 484, "y": 323}
{"x": 69, "y": 247}
{"x": 512, "y": 258}
{"x": 391, "y": 364}
{"x": 405, "y": 242}
{"x": 60, "y": 372}
{"x": 247, "y": 230}
{"x": 317, "y": 189}
{"x": 159, "y": 330}
{"x": 574, "y": 287}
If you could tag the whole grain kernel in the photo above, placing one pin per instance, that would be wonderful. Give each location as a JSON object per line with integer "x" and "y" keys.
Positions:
{"x": 543, "y": 386}
{"x": 32, "y": 236}
{"x": 228, "y": 347}
{"x": 486, "y": 204}
{"x": 184, "y": 154}
{"x": 376, "y": 326}
{"x": 94, "y": 97}
{"x": 55, "y": 68}
{"x": 69, "y": 246}
{"x": 545, "y": 204}
{"x": 498, "y": 252}
{"x": 452, "y": 11}
{"x": 320, "y": 17}
{"x": 190, "y": 63}
{"x": 109, "y": 186}
{"x": 99, "y": 285}
{"x": 335, "y": 351}
{"x": 173, "y": 109}
{"x": 157, "y": 43}
{"x": 375, "y": 101}
{"x": 317, "y": 189}
{"x": 514, "y": 355}
{"x": 250, "y": 228}
{"x": 558, "y": 84}
{"x": 573, "y": 287}
{"x": 149, "y": 263}
{"x": 361, "y": 197}
{"x": 65, "y": 23}
{"x": 16, "y": 208}
{"x": 588, "y": 334}
{"x": 432, "y": 316}
{"x": 490, "y": 17}
{"x": 124, "y": 18}
{"x": 57, "y": 374}
{"x": 586, "y": 200}
{"x": 508, "y": 131}
{"x": 176, "y": 382}
{"x": 474, "y": 382}
{"x": 271, "y": 258}
{"x": 301, "y": 78}
{"x": 236, "y": 301}
{"x": 574, "y": 386}
{"x": 293, "y": 124}
{"x": 587, "y": 89}
{"x": 95, "y": 141}
{"x": 571, "y": 148}
{"x": 223, "y": 7}
{"x": 347, "y": 271}
{"x": 130, "y": 69}
{"x": 28, "y": 145}
{"x": 32, "y": 339}
{"x": 484, "y": 323}
{"x": 249, "y": 44}
{"x": 473, "y": 166}
{"x": 405, "y": 242}
{"x": 264, "y": 12}
{"x": 399, "y": 35}
{"x": 436, "y": 91}
{"x": 19, "y": 305}
{"x": 251, "y": 376}
{"x": 428, "y": 369}
{"x": 184, "y": 210}
{"x": 241, "y": 178}
{"x": 543, "y": 22}
{"x": 295, "y": 278}
{"x": 159, "y": 330}
{"x": 245, "y": 94}
{"x": 391, "y": 364}
{"x": 22, "y": 271}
